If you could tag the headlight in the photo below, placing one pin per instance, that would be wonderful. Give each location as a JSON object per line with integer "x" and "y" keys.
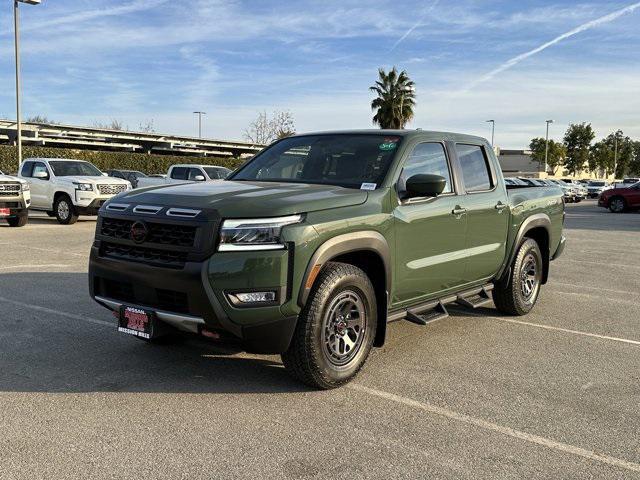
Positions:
{"x": 85, "y": 187}
{"x": 25, "y": 187}
{"x": 254, "y": 234}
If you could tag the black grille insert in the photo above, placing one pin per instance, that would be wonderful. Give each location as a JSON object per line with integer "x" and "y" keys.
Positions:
{"x": 122, "y": 291}
{"x": 160, "y": 233}
{"x": 172, "y": 301}
{"x": 133, "y": 253}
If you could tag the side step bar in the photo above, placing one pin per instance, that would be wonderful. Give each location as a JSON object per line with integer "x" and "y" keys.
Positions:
{"x": 436, "y": 310}
{"x": 424, "y": 316}
{"x": 477, "y": 299}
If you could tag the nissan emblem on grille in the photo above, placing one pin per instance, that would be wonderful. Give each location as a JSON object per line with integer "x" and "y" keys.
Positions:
{"x": 139, "y": 232}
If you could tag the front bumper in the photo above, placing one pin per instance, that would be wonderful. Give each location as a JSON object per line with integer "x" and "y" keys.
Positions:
{"x": 17, "y": 205}
{"x": 193, "y": 299}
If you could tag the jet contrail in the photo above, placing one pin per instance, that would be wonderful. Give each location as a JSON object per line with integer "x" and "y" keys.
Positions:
{"x": 586, "y": 26}
{"x": 416, "y": 25}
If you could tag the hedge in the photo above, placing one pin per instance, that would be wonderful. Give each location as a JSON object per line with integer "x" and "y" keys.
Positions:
{"x": 109, "y": 160}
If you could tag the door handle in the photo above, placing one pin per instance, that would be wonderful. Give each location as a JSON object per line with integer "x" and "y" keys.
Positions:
{"x": 500, "y": 206}
{"x": 458, "y": 210}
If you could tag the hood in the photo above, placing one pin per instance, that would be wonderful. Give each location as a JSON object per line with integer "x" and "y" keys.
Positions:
{"x": 93, "y": 179}
{"x": 248, "y": 199}
{"x": 10, "y": 179}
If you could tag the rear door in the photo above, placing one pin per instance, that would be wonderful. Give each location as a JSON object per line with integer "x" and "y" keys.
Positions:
{"x": 487, "y": 211}
{"x": 430, "y": 232}
{"x": 633, "y": 196}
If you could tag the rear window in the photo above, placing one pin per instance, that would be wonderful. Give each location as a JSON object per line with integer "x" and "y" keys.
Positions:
{"x": 475, "y": 168}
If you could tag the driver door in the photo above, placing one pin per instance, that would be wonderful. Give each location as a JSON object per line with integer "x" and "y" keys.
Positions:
{"x": 40, "y": 187}
{"x": 430, "y": 232}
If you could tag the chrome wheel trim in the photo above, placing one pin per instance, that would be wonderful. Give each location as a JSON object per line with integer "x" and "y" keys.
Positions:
{"x": 63, "y": 210}
{"x": 529, "y": 277}
{"x": 343, "y": 328}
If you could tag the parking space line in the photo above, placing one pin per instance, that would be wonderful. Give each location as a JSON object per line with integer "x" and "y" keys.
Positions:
{"x": 494, "y": 427}
{"x": 558, "y": 329}
{"x": 57, "y": 312}
{"x": 51, "y": 265}
{"x": 603, "y": 264}
{"x": 599, "y": 289}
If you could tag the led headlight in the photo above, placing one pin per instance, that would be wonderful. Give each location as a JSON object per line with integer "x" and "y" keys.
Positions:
{"x": 254, "y": 234}
{"x": 85, "y": 187}
{"x": 25, "y": 187}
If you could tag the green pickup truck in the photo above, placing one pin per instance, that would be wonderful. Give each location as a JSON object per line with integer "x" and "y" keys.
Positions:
{"x": 320, "y": 240}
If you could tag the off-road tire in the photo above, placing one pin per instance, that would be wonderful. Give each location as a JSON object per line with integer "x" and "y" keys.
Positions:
{"x": 307, "y": 359}
{"x": 59, "y": 210}
{"x": 19, "y": 221}
{"x": 615, "y": 203}
{"x": 508, "y": 294}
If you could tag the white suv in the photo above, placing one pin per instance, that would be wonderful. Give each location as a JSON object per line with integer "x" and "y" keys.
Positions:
{"x": 67, "y": 188}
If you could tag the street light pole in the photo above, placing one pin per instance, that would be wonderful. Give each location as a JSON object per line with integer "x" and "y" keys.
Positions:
{"x": 546, "y": 146}
{"x": 615, "y": 156}
{"x": 200, "y": 122}
{"x": 406, "y": 89}
{"x": 16, "y": 29}
{"x": 493, "y": 130}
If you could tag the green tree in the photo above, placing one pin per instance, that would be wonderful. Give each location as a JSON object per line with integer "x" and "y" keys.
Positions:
{"x": 623, "y": 151}
{"x": 555, "y": 155}
{"x": 634, "y": 165}
{"x": 601, "y": 158}
{"x": 395, "y": 99}
{"x": 577, "y": 141}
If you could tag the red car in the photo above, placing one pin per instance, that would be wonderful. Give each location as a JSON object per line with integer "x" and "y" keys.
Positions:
{"x": 620, "y": 199}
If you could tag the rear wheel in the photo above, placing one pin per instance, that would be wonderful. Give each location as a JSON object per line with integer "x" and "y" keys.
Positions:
{"x": 19, "y": 221}
{"x": 617, "y": 205}
{"x": 65, "y": 211}
{"x": 336, "y": 329}
{"x": 518, "y": 294}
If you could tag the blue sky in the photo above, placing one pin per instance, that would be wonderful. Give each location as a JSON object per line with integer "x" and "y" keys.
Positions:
{"x": 140, "y": 60}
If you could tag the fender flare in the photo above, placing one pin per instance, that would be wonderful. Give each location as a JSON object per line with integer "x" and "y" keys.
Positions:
{"x": 368, "y": 240}
{"x": 534, "y": 221}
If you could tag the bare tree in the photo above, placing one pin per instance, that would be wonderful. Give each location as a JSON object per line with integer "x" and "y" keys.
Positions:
{"x": 264, "y": 130}
{"x": 40, "y": 119}
{"x": 114, "y": 124}
{"x": 147, "y": 126}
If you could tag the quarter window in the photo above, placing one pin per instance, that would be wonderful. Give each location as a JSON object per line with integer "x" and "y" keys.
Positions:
{"x": 427, "y": 158}
{"x": 475, "y": 169}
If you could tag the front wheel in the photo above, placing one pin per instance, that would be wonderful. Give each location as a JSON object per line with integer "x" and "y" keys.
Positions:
{"x": 617, "y": 205}
{"x": 19, "y": 221}
{"x": 335, "y": 330}
{"x": 518, "y": 294}
{"x": 65, "y": 211}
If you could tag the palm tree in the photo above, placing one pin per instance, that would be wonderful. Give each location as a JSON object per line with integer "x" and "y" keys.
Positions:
{"x": 395, "y": 101}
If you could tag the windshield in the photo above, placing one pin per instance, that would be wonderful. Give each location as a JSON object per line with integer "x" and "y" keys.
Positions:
{"x": 217, "y": 173}
{"x": 351, "y": 161}
{"x": 67, "y": 169}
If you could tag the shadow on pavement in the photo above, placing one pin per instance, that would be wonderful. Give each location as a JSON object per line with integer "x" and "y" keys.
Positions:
{"x": 41, "y": 351}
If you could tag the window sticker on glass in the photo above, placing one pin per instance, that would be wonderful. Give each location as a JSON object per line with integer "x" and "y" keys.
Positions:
{"x": 390, "y": 143}
{"x": 368, "y": 186}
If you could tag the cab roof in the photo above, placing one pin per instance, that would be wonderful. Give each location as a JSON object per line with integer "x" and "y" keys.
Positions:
{"x": 430, "y": 134}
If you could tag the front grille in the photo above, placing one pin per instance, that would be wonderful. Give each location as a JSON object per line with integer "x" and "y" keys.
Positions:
{"x": 10, "y": 189}
{"x": 9, "y": 205}
{"x": 163, "y": 234}
{"x": 172, "y": 301}
{"x": 122, "y": 291}
{"x": 111, "y": 189}
{"x": 154, "y": 256}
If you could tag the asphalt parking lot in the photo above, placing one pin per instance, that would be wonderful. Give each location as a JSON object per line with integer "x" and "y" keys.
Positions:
{"x": 555, "y": 394}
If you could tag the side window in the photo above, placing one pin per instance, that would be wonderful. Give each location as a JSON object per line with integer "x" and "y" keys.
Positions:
{"x": 427, "y": 158}
{"x": 475, "y": 168}
{"x": 27, "y": 169}
{"x": 39, "y": 167}
{"x": 179, "y": 173}
{"x": 193, "y": 173}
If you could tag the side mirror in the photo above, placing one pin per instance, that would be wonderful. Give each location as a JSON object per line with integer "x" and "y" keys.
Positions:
{"x": 42, "y": 175}
{"x": 425, "y": 185}
{"x": 105, "y": 174}
{"x": 199, "y": 178}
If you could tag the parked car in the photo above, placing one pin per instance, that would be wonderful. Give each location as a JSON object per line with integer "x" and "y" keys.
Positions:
{"x": 580, "y": 191}
{"x": 15, "y": 200}
{"x": 131, "y": 176}
{"x": 596, "y": 187}
{"x": 532, "y": 182}
{"x": 187, "y": 173}
{"x": 513, "y": 181}
{"x": 568, "y": 191}
{"x": 620, "y": 199}
{"x": 311, "y": 247}
{"x": 67, "y": 188}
